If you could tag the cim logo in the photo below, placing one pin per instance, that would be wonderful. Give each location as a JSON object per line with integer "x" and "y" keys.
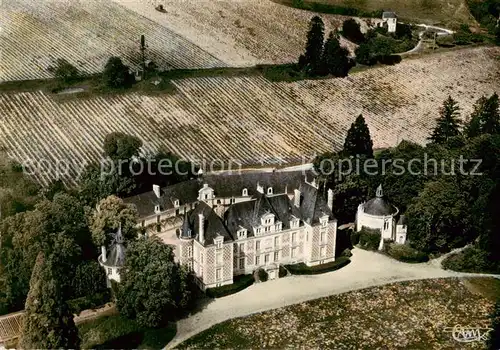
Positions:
{"x": 469, "y": 334}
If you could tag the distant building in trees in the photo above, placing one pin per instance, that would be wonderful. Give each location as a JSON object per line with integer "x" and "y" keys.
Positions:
{"x": 390, "y": 19}
{"x": 379, "y": 214}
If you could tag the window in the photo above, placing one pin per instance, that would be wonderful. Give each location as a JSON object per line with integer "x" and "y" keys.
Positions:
{"x": 242, "y": 247}
{"x": 218, "y": 274}
{"x": 270, "y": 190}
{"x": 276, "y": 256}
{"x": 190, "y": 252}
{"x": 219, "y": 258}
{"x": 190, "y": 265}
{"x": 257, "y": 260}
{"x": 276, "y": 241}
{"x": 294, "y": 252}
{"x": 235, "y": 248}
{"x": 218, "y": 244}
{"x": 258, "y": 231}
{"x": 176, "y": 203}
{"x": 206, "y": 196}
{"x": 323, "y": 237}
{"x": 267, "y": 229}
{"x": 257, "y": 245}
{"x": 110, "y": 271}
{"x": 324, "y": 222}
{"x": 157, "y": 208}
{"x": 323, "y": 251}
{"x": 218, "y": 201}
{"x": 294, "y": 237}
{"x": 242, "y": 263}
{"x": 266, "y": 258}
{"x": 244, "y": 192}
{"x": 232, "y": 200}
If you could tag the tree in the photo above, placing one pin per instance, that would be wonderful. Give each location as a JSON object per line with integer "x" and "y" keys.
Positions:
{"x": 485, "y": 118}
{"x": 65, "y": 72}
{"x": 374, "y": 50}
{"x": 48, "y": 322}
{"x": 314, "y": 45}
{"x": 110, "y": 213}
{"x": 335, "y": 58}
{"x": 120, "y": 146}
{"x": 358, "y": 140}
{"x": 352, "y": 31}
{"x": 116, "y": 74}
{"x": 448, "y": 123}
{"x": 154, "y": 289}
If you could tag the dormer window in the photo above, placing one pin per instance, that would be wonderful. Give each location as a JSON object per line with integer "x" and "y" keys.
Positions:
{"x": 324, "y": 220}
{"x": 244, "y": 192}
{"x": 218, "y": 244}
{"x": 270, "y": 190}
{"x": 242, "y": 234}
{"x": 176, "y": 203}
{"x": 157, "y": 208}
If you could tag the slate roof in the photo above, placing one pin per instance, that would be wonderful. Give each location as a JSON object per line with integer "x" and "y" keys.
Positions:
{"x": 312, "y": 205}
{"x": 379, "y": 206}
{"x": 248, "y": 214}
{"x": 213, "y": 225}
{"x": 402, "y": 220}
{"x": 224, "y": 186}
{"x": 115, "y": 257}
{"x": 388, "y": 14}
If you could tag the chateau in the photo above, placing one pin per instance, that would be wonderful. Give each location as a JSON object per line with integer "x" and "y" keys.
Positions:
{"x": 229, "y": 225}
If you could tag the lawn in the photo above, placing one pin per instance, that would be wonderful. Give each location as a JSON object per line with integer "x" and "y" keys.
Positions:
{"x": 117, "y": 332}
{"x": 409, "y": 315}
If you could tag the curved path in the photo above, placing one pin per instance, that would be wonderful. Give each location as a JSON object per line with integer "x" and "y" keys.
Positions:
{"x": 367, "y": 269}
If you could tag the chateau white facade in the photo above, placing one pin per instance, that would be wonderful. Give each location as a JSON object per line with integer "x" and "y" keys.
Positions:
{"x": 226, "y": 226}
{"x": 379, "y": 214}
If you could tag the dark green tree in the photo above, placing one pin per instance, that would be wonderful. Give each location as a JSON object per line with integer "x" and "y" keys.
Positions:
{"x": 448, "y": 123}
{"x": 314, "y": 46}
{"x": 65, "y": 72}
{"x": 154, "y": 290}
{"x": 485, "y": 118}
{"x": 120, "y": 146}
{"x": 116, "y": 74}
{"x": 358, "y": 140}
{"x": 352, "y": 31}
{"x": 48, "y": 322}
{"x": 335, "y": 58}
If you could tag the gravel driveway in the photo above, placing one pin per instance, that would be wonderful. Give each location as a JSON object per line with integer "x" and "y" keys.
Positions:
{"x": 367, "y": 269}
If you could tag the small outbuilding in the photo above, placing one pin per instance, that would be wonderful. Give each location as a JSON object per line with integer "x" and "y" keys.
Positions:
{"x": 390, "y": 19}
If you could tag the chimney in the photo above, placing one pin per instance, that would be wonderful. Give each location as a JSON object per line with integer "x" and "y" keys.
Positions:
{"x": 156, "y": 190}
{"x": 330, "y": 199}
{"x": 201, "y": 227}
{"x": 296, "y": 198}
{"x": 103, "y": 253}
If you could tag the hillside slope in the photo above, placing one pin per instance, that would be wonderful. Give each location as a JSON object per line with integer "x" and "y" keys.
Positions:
{"x": 249, "y": 119}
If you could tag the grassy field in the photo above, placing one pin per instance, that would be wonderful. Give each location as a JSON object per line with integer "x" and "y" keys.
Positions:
{"x": 450, "y": 12}
{"x": 248, "y": 120}
{"x": 408, "y": 315}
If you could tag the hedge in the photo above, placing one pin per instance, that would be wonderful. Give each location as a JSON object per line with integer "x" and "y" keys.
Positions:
{"x": 89, "y": 302}
{"x": 263, "y": 275}
{"x": 406, "y": 253}
{"x": 239, "y": 283}
{"x": 369, "y": 239}
{"x": 303, "y": 269}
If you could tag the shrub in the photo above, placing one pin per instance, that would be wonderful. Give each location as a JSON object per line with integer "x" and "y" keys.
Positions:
{"x": 239, "y": 283}
{"x": 347, "y": 253}
{"x": 263, "y": 275}
{"x": 116, "y": 74}
{"x": 471, "y": 259}
{"x": 282, "y": 271}
{"x": 89, "y": 302}
{"x": 369, "y": 239}
{"x": 406, "y": 253}
{"x": 355, "y": 237}
{"x": 303, "y": 269}
{"x": 65, "y": 71}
